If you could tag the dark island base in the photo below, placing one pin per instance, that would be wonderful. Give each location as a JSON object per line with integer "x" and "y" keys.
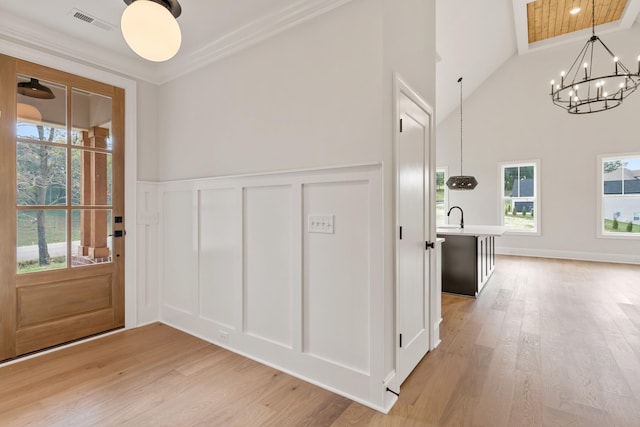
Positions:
{"x": 467, "y": 263}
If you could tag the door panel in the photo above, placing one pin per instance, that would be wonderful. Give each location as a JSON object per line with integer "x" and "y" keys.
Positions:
{"x": 413, "y": 273}
{"x": 65, "y": 184}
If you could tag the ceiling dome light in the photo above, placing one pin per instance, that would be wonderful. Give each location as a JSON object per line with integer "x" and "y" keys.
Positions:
{"x": 150, "y": 28}
{"x": 575, "y": 11}
{"x": 34, "y": 89}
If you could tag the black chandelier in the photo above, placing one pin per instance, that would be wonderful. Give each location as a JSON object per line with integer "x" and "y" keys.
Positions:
{"x": 586, "y": 88}
{"x": 461, "y": 182}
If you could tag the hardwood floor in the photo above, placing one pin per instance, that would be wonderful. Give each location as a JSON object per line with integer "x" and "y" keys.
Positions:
{"x": 549, "y": 342}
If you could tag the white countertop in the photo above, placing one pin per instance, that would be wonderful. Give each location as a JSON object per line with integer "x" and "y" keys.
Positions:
{"x": 472, "y": 230}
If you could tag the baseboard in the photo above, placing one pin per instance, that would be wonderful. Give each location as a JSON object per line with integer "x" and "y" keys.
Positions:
{"x": 572, "y": 255}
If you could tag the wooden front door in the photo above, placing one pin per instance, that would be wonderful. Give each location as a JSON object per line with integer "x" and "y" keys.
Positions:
{"x": 62, "y": 200}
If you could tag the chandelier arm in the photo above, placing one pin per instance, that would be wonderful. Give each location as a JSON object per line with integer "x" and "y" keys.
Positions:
{"x": 620, "y": 64}
{"x": 587, "y": 75}
{"x": 578, "y": 59}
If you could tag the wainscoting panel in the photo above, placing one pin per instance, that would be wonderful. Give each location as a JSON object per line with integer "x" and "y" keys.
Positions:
{"x": 220, "y": 226}
{"x": 240, "y": 268}
{"x": 147, "y": 253}
{"x": 179, "y": 255}
{"x": 267, "y": 263}
{"x": 336, "y": 274}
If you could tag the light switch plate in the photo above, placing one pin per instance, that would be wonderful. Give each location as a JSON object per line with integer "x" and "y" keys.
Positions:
{"x": 320, "y": 224}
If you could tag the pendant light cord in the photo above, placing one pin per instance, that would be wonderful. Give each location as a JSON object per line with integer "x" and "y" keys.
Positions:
{"x": 593, "y": 17}
{"x": 460, "y": 81}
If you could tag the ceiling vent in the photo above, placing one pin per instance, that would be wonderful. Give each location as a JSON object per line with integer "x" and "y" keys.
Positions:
{"x": 85, "y": 17}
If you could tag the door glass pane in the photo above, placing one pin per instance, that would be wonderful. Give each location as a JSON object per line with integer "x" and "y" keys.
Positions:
{"x": 91, "y": 231}
{"x": 41, "y": 174}
{"x": 91, "y": 178}
{"x": 42, "y": 110}
{"x": 42, "y": 240}
{"x": 91, "y": 120}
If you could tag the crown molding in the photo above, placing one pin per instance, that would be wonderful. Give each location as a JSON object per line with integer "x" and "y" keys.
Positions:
{"x": 248, "y": 35}
{"x": 23, "y": 32}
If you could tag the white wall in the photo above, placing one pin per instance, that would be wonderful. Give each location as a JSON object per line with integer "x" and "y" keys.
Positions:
{"x": 148, "y": 142}
{"x": 308, "y": 97}
{"x": 511, "y": 118}
{"x": 318, "y": 95}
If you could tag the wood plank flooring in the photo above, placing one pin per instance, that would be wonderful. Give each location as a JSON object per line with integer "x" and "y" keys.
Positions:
{"x": 548, "y": 343}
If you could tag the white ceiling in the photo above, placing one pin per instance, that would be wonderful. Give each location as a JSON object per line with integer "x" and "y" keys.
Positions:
{"x": 474, "y": 38}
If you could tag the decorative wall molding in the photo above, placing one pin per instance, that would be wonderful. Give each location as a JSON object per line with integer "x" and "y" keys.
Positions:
{"x": 148, "y": 218}
{"x": 239, "y": 267}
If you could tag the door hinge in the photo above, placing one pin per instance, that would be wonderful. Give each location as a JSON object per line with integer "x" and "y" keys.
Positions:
{"x": 400, "y": 340}
{"x": 400, "y": 125}
{"x": 428, "y": 245}
{"x": 400, "y": 232}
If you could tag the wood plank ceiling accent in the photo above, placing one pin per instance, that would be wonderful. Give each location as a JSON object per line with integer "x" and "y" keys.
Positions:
{"x": 551, "y": 18}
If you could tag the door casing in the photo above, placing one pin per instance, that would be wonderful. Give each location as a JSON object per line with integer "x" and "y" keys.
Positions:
{"x": 402, "y": 90}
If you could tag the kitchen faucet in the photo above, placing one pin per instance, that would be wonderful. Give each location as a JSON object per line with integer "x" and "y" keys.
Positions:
{"x": 461, "y": 215}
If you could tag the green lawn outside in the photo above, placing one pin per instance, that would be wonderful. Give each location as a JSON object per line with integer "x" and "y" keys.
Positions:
{"x": 622, "y": 227}
{"x": 519, "y": 222}
{"x": 32, "y": 265}
{"x": 56, "y": 226}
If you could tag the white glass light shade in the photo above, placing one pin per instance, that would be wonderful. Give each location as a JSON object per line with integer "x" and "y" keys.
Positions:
{"x": 150, "y": 30}
{"x": 29, "y": 112}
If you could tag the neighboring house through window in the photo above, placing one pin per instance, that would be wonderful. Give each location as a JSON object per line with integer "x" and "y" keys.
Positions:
{"x": 442, "y": 196}
{"x": 619, "y": 187}
{"x": 519, "y": 206}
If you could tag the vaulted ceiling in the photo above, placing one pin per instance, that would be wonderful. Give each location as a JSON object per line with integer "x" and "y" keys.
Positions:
{"x": 473, "y": 38}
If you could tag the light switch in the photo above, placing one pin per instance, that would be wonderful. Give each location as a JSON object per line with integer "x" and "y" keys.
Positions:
{"x": 320, "y": 224}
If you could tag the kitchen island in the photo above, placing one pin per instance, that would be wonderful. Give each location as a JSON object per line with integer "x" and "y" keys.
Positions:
{"x": 468, "y": 257}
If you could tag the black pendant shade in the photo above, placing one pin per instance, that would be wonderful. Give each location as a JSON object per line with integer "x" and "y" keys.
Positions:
{"x": 461, "y": 182}
{"x": 34, "y": 89}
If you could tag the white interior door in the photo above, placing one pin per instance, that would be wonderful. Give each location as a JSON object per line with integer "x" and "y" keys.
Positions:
{"x": 412, "y": 217}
